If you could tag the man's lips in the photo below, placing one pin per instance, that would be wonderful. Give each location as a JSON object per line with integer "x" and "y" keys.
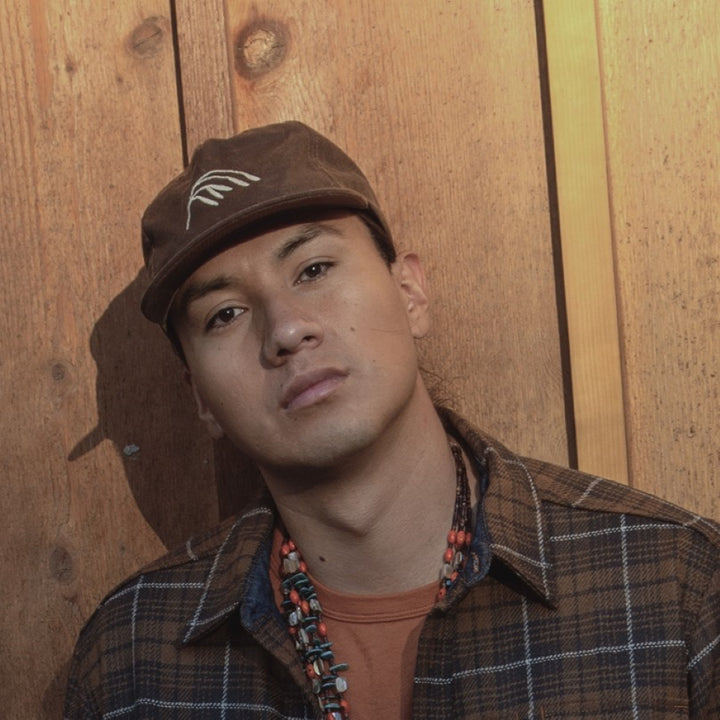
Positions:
{"x": 311, "y": 387}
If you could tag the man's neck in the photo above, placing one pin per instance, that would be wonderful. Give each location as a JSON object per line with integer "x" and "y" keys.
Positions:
{"x": 378, "y": 525}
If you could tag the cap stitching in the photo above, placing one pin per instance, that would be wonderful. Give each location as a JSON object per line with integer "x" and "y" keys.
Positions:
{"x": 216, "y": 189}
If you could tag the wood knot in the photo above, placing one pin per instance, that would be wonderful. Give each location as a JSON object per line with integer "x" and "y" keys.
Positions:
{"x": 58, "y": 372}
{"x": 61, "y": 381}
{"x": 147, "y": 38}
{"x": 62, "y": 567}
{"x": 260, "y": 47}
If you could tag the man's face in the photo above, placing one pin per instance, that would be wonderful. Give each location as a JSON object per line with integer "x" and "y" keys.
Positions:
{"x": 300, "y": 343}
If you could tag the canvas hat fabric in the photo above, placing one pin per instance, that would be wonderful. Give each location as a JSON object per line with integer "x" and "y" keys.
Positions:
{"x": 231, "y": 186}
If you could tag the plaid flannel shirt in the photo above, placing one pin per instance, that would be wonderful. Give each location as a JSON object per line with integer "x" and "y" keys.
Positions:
{"x": 582, "y": 598}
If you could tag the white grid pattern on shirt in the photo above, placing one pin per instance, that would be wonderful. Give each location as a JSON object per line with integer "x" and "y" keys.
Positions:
{"x": 630, "y": 648}
{"x": 628, "y": 615}
{"x": 195, "y": 622}
{"x": 538, "y": 516}
{"x": 133, "y": 621}
{"x": 261, "y": 710}
{"x": 528, "y": 656}
{"x": 615, "y": 531}
{"x": 226, "y": 681}
{"x": 541, "y": 659}
{"x": 588, "y": 491}
{"x": 152, "y": 586}
{"x": 705, "y": 651}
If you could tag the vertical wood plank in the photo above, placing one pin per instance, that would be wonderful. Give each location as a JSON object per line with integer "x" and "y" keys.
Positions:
{"x": 661, "y": 76}
{"x": 586, "y": 238}
{"x": 88, "y": 128}
{"x": 205, "y": 70}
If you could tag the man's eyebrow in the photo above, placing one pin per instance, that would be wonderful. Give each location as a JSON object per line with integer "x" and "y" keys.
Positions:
{"x": 304, "y": 235}
{"x": 198, "y": 290}
{"x": 194, "y": 292}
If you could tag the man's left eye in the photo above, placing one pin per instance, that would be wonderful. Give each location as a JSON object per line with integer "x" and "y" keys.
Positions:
{"x": 314, "y": 271}
{"x": 224, "y": 317}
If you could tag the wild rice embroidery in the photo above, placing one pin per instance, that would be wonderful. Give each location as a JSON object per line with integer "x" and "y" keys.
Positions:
{"x": 212, "y": 186}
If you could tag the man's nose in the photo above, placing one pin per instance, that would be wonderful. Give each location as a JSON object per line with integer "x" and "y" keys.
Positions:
{"x": 289, "y": 327}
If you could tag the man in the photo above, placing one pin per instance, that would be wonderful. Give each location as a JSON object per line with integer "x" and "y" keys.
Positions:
{"x": 399, "y": 563}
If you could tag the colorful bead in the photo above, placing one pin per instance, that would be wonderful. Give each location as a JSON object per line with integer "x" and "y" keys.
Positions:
{"x": 459, "y": 537}
{"x": 291, "y": 563}
{"x": 303, "y": 613}
{"x": 341, "y": 684}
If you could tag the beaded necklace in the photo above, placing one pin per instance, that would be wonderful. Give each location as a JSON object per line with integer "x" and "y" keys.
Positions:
{"x": 304, "y": 615}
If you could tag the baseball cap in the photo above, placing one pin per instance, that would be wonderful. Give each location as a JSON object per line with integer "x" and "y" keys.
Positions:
{"x": 233, "y": 184}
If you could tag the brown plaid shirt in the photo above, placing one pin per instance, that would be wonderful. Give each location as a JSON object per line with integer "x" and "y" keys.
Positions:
{"x": 582, "y": 599}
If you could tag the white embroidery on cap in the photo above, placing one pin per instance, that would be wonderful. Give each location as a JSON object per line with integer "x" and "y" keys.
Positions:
{"x": 210, "y": 187}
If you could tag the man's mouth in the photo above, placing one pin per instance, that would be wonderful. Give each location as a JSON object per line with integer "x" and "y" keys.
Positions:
{"x": 311, "y": 387}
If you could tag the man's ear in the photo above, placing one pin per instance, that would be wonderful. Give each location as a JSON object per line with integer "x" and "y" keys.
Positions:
{"x": 204, "y": 412}
{"x": 410, "y": 276}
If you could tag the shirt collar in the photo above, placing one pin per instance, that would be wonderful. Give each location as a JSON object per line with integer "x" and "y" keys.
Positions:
{"x": 240, "y": 561}
{"x": 511, "y": 526}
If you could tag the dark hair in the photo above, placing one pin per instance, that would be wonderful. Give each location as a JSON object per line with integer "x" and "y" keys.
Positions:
{"x": 382, "y": 241}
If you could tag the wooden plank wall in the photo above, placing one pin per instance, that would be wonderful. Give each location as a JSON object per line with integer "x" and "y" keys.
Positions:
{"x": 446, "y": 105}
{"x": 661, "y": 77}
{"x": 89, "y": 123}
{"x": 635, "y": 104}
{"x": 586, "y": 240}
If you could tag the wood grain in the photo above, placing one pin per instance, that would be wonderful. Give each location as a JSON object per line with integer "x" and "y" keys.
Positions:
{"x": 89, "y": 128}
{"x": 205, "y": 74}
{"x": 661, "y": 74}
{"x": 587, "y": 251}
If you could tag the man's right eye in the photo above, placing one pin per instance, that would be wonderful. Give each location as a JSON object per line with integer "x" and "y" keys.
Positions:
{"x": 224, "y": 316}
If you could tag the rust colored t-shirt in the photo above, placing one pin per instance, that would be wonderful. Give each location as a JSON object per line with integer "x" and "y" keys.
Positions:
{"x": 377, "y": 636}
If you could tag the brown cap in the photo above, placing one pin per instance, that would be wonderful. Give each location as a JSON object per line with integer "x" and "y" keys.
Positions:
{"x": 234, "y": 183}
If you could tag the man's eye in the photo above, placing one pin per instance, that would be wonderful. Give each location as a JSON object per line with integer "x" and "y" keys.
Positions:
{"x": 314, "y": 271}
{"x": 224, "y": 316}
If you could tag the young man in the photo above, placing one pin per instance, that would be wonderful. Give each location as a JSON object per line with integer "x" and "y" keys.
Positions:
{"x": 399, "y": 563}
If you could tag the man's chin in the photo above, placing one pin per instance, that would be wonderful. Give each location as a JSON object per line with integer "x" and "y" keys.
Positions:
{"x": 316, "y": 452}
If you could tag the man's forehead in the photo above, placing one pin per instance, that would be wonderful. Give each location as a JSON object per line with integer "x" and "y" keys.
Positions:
{"x": 281, "y": 240}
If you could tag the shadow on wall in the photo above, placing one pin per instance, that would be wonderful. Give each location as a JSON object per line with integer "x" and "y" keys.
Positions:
{"x": 181, "y": 481}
